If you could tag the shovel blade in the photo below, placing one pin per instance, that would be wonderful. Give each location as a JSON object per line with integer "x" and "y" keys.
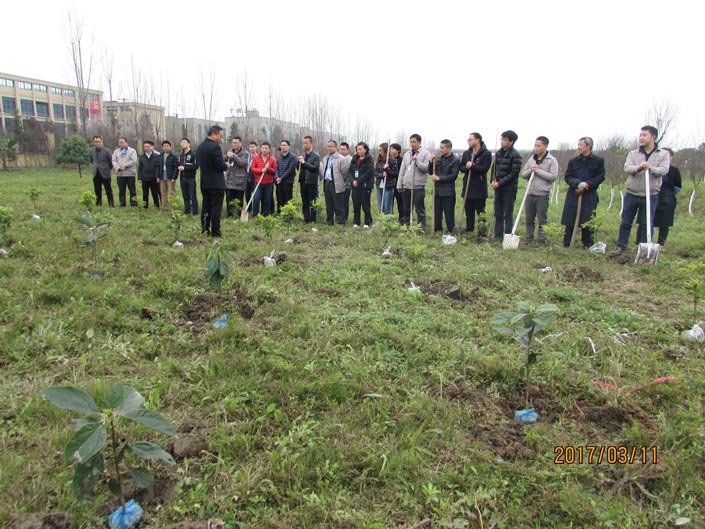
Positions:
{"x": 647, "y": 253}
{"x": 244, "y": 215}
{"x": 510, "y": 242}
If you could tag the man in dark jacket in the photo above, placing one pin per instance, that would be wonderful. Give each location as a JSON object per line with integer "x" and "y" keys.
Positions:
{"x": 392, "y": 170}
{"x": 505, "y": 178}
{"x": 213, "y": 166}
{"x": 474, "y": 165}
{"x": 169, "y": 172}
{"x": 236, "y": 178}
{"x": 101, "y": 168}
{"x": 188, "y": 165}
{"x": 148, "y": 172}
{"x": 284, "y": 179}
{"x": 583, "y": 175}
{"x": 308, "y": 179}
{"x": 446, "y": 173}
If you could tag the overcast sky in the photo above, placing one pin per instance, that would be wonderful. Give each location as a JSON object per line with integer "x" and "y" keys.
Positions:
{"x": 562, "y": 69}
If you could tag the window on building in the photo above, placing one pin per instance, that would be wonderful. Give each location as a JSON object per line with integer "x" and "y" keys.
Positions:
{"x": 68, "y": 92}
{"x": 58, "y": 111}
{"x": 111, "y": 109}
{"x": 10, "y": 126}
{"x": 7, "y": 82}
{"x": 42, "y": 109}
{"x": 24, "y": 86}
{"x": 8, "y": 105}
{"x": 70, "y": 112}
{"x": 55, "y": 90}
{"x": 27, "y": 107}
{"x": 40, "y": 87}
{"x": 93, "y": 97}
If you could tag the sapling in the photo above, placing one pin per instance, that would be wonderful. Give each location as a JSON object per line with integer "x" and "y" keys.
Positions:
{"x": 553, "y": 233}
{"x": 93, "y": 227}
{"x": 290, "y": 212}
{"x": 388, "y": 225}
{"x": 217, "y": 267}
{"x": 595, "y": 223}
{"x": 482, "y": 224}
{"x": 87, "y": 200}
{"x": 695, "y": 284}
{"x": 6, "y": 215}
{"x": 524, "y": 324}
{"x": 268, "y": 223}
{"x": 100, "y": 437}
{"x": 33, "y": 196}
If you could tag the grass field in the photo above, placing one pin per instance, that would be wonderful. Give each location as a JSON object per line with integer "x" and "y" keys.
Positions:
{"x": 335, "y": 398}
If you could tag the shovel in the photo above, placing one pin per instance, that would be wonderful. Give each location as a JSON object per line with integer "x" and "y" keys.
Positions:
{"x": 576, "y": 226}
{"x": 245, "y": 214}
{"x": 433, "y": 199}
{"x": 459, "y": 227}
{"x": 647, "y": 252}
{"x": 511, "y": 240}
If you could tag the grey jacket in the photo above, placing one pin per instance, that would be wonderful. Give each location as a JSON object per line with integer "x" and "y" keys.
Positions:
{"x": 545, "y": 176}
{"x": 345, "y": 168}
{"x": 341, "y": 165}
{"x": 411, "y": 173}
{"x": 126, "y": 160}
{"x": 101, "y": 162}
{"x": 236, "y": 177}
{"x": 660, "y": 164}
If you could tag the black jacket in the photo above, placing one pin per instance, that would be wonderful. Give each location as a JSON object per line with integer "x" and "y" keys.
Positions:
{"x": 310, "y": 168}
{"x": 365, "y": 172}
{"x": 590, "y": 169}
{"x": 172, "y": 167}
{"x": 393, "y": 171}
{"x": 212, "y": 164}
{"x": 286, "y": 168}
{"x": 149, "y": 169}
{"x": 190, "y": 164}
{"x": 478, "y": 172}
{"x": 507, "y": 166}
{"x": 666, "y": 208}
{"x": 447, "y": 169}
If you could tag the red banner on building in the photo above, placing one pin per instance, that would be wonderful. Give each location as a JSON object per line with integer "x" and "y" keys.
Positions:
{"x": 95, "y": 108}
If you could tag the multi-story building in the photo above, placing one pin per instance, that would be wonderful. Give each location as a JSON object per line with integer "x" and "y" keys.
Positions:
{"x": 195, "y": 129}
{"x": 44, "y": 101}
{"x": 137, "y": 121}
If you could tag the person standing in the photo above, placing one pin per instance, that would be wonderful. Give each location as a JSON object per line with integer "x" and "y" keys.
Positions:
{"x": 169, "y": 169}
{"x": 333, "y": 185}
{"x": 474, "y": 164}
{"x": 236, "y": 177}
{"x": 383, "y": 184}
{"x": 648, "y": 157}
{"x": 392, "y": 170}
{"x": 286, "y": 173}
{"x": 544, "y": 167}
{"x": 362, "y": 176}
{"x": 101, "y": 167}
{"x": 210, "y": 159}
{"x": 447, "y": 167}
{"x": 505, "y": 182}
{"x": 344, "y": 151}
{"x": 671, "y": 185}
{"x": 188, "y": 165}
{"x": 252, "y": 152}
{"x": 583, "y": 175}
{"x": 148, "y": 173}
{"x": 309, "y": 162}
{"x": 125, "y": 165}
{"x": 413, "y": 175}
{"x": 264, "y": 167}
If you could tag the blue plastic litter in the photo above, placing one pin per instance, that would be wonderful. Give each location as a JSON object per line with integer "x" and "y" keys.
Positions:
{"x": 126, "y": 518}
{"x": 221, "y": 322}
{"x": 527, "y": 416}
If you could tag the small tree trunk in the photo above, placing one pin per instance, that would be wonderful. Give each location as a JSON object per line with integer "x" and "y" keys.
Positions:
{"x": 80, "y": 174}
{"x": 692, "y": 199}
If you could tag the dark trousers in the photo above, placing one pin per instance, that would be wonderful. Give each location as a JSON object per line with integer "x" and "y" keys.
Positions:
{"x": 335, "y": 204}
{"x": 473, "y": 206}
{"x": 361, "y": 200}
{"x": 129, "y": 183}
{"x": 232, "y": 195}
{"x": 153, "y": 186}
{"x": 634, "y": 206}
{"x": 444, "y": 207}
{"x": 400, "y": 203}
{"x": 587, "y": 236}
{"x": 98, "y": 183}
{"x": 285, "y": 192}
{"x": 503, "y": 211}
{"x": 346, "y": 200}
{"x": 418, "y": 205}
{"x": 248, "y": 193}
{"x": 188, "y": 191}
{"x": 262, "y": 203}
{"x": 309, "y": 193}
{"x": 212, "y": 210}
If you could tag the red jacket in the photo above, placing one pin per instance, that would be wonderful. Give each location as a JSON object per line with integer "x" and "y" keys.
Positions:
{"x": 258, "y": 166}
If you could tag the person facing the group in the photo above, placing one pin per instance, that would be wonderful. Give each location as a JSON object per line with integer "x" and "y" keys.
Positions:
{"x": 362, "y": 175}
{"x": 169, "y": 172}
{"x": 210, "y": 159}
{"x": 413, "y": 175}
{"x": 187, "y": 169}
{"x": 583, "y": 175}
{"x": 445, "y": 173}
{"x": 264, "y": 167}
{"x": 309, "y": 162}
{"x": 505, "y": 182}
{"x": 475, "y": 164}
{"x": 148, "y": 171}
{"x": 236, "y": 177}
{"x": 102, "y": 169}
{"x": 286, "y": 173}
{"x": 544, "y": 167}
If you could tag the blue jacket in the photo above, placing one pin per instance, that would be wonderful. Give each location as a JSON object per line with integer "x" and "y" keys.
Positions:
{"x": 172, "y": 167}
{"x": 286, "y": 168}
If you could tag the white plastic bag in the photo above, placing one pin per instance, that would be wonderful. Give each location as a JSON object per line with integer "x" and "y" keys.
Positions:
{"x": 694, "y": 334}
{"x": 270, "y": 261}
{"x": 599, "y": 247}
{"x": 449, "y": 239}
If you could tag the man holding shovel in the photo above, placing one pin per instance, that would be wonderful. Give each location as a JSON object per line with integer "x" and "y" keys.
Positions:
{"x": 413, "y": 174}
{"x": 545, "y": 169}
{"x": 505, "y": 182}
{"x": 475, "y": 163}
{"x": 584, "y": 175}
{"x": 648, "y": 161}
{"x": 444, "y": 176}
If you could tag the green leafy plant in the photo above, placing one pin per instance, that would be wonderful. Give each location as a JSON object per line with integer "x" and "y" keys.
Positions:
{"x": 34, "y": 196}
{"x": 176, "y": 215}
{"x": 554, "y": 233}
{"x": 93, "y": 226}
{"x": 74, "y": 151}
{"x": 7, "y": 151}
{"x": 217, "y": 267}
{"x": 695, "y": 284}
{"x": 268, "y": 225}
{"x": 6, "y": 215}
{"x": 524, "y": 324}
{"x": 482, "y": 224}
{"x": 99, "y": 431}
{"x": 291, "y": 212}
{"x": 388, "y": 225}
{"x": 595, "y": 222}
{"x": 87, "y": 200}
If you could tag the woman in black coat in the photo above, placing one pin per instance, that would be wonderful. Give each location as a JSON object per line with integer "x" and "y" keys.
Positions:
{"x": 362, "y": 176}
{"x": 665, "y": 210}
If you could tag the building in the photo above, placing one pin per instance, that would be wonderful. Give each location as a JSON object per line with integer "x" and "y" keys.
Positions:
{"x": 195, "y": 129}
{"x": 45, "y": 101}
{"x": 137, "y": 121}
{"x": 253, "y": 127}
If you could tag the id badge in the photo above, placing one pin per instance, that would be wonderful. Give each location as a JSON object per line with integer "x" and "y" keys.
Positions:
{"x": 357, "y": 175}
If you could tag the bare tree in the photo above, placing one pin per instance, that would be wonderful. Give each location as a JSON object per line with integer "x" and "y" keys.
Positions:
{"x": 663, "y": 115}
{"x": 207, "y": 92}
{"x": 614, "y": 150}
{"x": 82, "y": 62}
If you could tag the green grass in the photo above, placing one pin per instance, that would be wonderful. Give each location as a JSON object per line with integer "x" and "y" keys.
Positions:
{"x": 335, "y": 398}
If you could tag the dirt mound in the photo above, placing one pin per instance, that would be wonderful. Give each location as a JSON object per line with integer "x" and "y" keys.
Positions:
{"x": 612, "y": 418}
{"x": 454, "y": 292}
{"x": 209, "y": 305}
{"x": 49, "y": 520}
{"x": 504, "y": 439}
{"x": 582, "y": 274}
